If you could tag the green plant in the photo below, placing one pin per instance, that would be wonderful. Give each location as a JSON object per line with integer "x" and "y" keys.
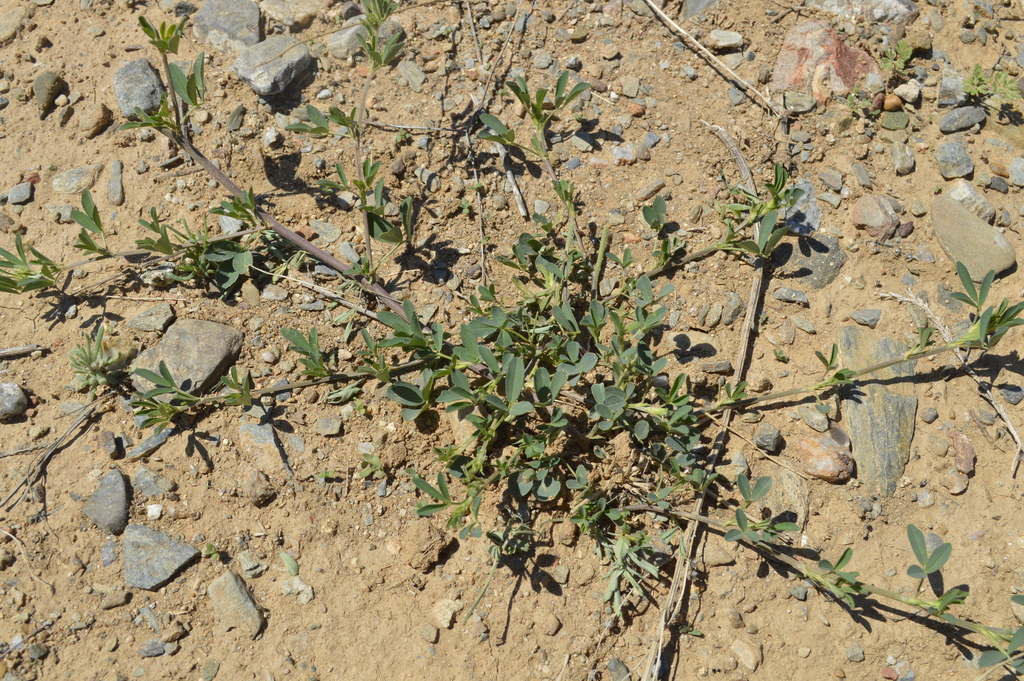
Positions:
{"x": 89, "y": 219}
{"x": 309, "y": 347}
{"x": 211, "y": 553}
{"x": 291, "y": 565}
{"x": 96, "y": 361}
{"x": 22, "y": 272}
{"x": 371, "y": 467}
{"x": 894, "y": 62}
{"x": 980, "y": 86}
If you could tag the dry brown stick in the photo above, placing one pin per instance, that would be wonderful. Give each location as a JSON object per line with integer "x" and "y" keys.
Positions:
{"x": 680, "y": 579}
{"x": 20, "y": 350}
{"x": 769, "y": 104}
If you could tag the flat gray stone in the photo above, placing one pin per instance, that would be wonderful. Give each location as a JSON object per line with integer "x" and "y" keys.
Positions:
{"x": 13, "y": 401}
{"x": 234, "y": 605}
{"x": 692, "y": 8}
{"x": 962, "y": 118}
{"x": 860, "y": 173}
{"x": 108, "y": 505}
{"x": 150, "y": 444}
{"x": 20, "y": 193}
{"x": 718, "y": 39}
{"x": 953, "y": 160}
{"x": 868, "y": 318}
{"x": 156, "y": 318}
{"x": 344, "y": 42}
{"x": 295, "y": 15}
{"x": 1017, "y": 171}
{"x": 789, "y": 295}
{"x": 951, "y": 88}
{"x": 260, "y": 444}
{"x": 151, "y": 484}
{"x": 228, "y": 25}
{"x": 413, "y": 74}
{"x": 269, "y": 67}
{"x": 1013, "y": 394}
{"x": 969, "y": 239}
{"x": 196, "y": 352}
{"x": 870, "y": 11}
{"x": 879, "y": 408}
{"x": 151, "y": 558}
{"x": 77, "y": 180}
{"x": 902, "y": 158}
{"x": 115, "y": 185}
{"x": 328, "y": 232}
{"x": 137, "y": 85}
{"x": 805, "y": 216}
{"x": 813, "y": 418}
{"x": 798, "y": 102}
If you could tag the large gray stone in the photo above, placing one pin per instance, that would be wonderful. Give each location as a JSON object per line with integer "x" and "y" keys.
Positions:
{"x": 151, "y": 558}
{"x": 77, "y": 180}
{"x": 108, "y": 505}
{"x": 137, "y": 85}
{"x": 228, "y": 25}
{"x": 13, "y": 401}
{"x": 295, "y": 15}
{"x": 951, "y": 88}
{"x": 20, "y": 193}
{"x": 269, "y": 67}
{"x": 813, "y": 261}
{"x": 156, "y": 318}
{"x": 969, "y": 239}
{"x": 953, "y": 160}
{"x": 879, "y": 408}
{"x": 151, "y": 484}
{"x": 962, "y": 118}
{"x": 234, "y": 605}
{"x": 196, "y": 353}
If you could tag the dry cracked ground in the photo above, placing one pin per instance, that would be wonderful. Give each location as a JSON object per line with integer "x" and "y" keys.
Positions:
{"x": 136, "y": 556}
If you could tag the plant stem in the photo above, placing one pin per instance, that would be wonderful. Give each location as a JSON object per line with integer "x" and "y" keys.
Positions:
{"x": 357, "y": 136}
{"x": 595, "y": 283}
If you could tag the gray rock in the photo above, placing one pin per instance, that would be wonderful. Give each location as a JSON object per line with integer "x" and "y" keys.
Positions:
{"x": 328, "y": 426}
{"x": 156, "y": 318}
{"x": 270, "y": 66}
{"x": 951, "y": 88}
{"x": 768, "y": 437}
{"x": 151, "y": 558}
{"x": 230, "y": 225}
{"x": 723, "y": 367}
{"x": 798, "y": 103}
{"x": 251, "y": 567}
{"x": 1016, "y": 171}
{"x": 150, "y": 444}
{"x": 1013, "y": 394}
{"x": 413, "y": 74}
{"x": 115, "y": 599}
{"x": 260, "y": 444}
{"x": 295, "y": 15}
{"x": 970, "y": 240}
{"x": 234, "y": 605}
{"x": 344, "y": 42}
{"x": 12, "y": 21}
{"x": 692, "y": 8}
{"x": 879, "y": 408}
{"x": 732, "y": 308}
{"x": 20, "y": 193}
{"x": 860, "y": 173}
{"x": 953, "y": 160}
{"x": 228, "y": 25}
{"x": 94, "y": 119}
{"x": 868, "y": 318}
{"x": 196, "y": 353}
{"x": 115, "y": 185}
{"x": 45, "y": 88}
{"x": 929, "y": 415}
{"x": 813, "y": 418}
{"x": 327, "y": 232}
{"x": 854, "y": 653}
{"x": 13, "y": 401}
{"x": 805, "y": 216}
{"x": 736, "y": 96}
{"x": 964, "y": 192}
{"x": 962, "y": 118}
{"x": 153, "y": 648}
{"x": 722, "y": 40}
{"x": 789, "y": 295}
{"x": 76, "y": 180}
{"x": 618, "y": 670}
{"x": 108, "y": 505}
{"x": 874, "y": 214}
{"x": 902, "y": 158}
{"x": 148, "y": 482}
{"x": 294, "y": 586}
{"x": 137, "y": 85}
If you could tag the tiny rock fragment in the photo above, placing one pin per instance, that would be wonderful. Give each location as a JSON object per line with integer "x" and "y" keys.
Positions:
{"x": 964, "y": 452}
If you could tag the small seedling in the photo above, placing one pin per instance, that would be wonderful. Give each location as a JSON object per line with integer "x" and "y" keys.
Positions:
{"x": 211, "y": 553}
{"x": 291, "y": 565}
{"x": 894, "y": 62}
{"x": 96, "y": 361}
{"x": 313, "y": 360}
{"x": 980, "y": 86}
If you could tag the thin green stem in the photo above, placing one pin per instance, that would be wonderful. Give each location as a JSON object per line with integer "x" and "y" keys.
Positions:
{"x": 357, "y": 136}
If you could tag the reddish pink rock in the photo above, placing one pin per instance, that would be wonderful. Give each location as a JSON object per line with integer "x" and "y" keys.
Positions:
{"x": 824, "y": 458}
{"x": 875, "y": 215}
{"x": 964, "y": 450}
{"x": 814, "y": 59}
